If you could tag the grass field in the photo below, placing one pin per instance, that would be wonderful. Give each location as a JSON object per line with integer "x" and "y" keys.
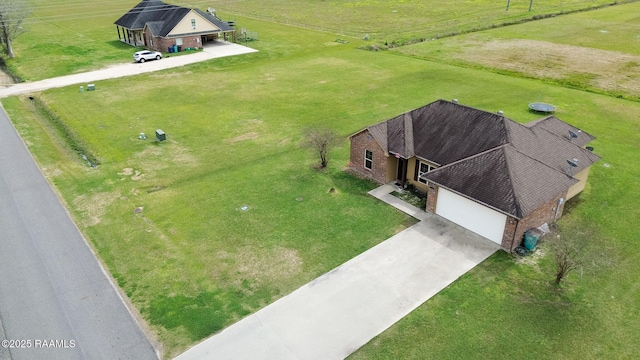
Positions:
{"x": 398, "y": 20}
{"x": 168, "y": 219}
{"x": 596, "y": 51}
{"x": 81, "y": 36}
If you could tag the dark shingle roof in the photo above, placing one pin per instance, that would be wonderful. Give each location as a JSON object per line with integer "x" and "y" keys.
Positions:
{"x": 548, "y": 148}
{"x": 161, "y": 18}
{"x": 488, "y": 157}
{"x": 504, "y": 179}
{"x": 558, "y": 127}
{"x": 445, "y": 132}
{"x": 144, "y": 12}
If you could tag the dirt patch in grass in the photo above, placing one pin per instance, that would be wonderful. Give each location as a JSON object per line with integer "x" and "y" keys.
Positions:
{"x": 157, "y": 157}
{"x": 180, "y": 155}
{"x": 608, "y": 70}
{"x": 5, "y": 79}
{"x": 247, "y": 136}
{"x": 126, "y": 172}
{"x": 50, "y": 172}
{"x": 137, "y": 176}
{"x": 533, "y": 258}
{"x": 264, "y": 265}
{"x": 94, "y": 206}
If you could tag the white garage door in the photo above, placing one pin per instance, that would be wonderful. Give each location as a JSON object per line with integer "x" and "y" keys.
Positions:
{"x": 471, "y": 215}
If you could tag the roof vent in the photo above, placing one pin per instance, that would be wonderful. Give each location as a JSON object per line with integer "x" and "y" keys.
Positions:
{"x": 455, "y": 101}
{"x": 572, "y": 135}
{"x": 500, "y": 112}
{"x": 572, "y": 163}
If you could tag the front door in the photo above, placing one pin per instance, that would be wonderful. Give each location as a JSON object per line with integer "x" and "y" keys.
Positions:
{"x": 402, "y": 171}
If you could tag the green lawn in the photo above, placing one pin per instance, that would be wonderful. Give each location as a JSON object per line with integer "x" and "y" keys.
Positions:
{"x": 81, "y": 36}
{"x": 596, "y": 51}
{"x": 399, "y": 20}
{"x": 168, "y": 218}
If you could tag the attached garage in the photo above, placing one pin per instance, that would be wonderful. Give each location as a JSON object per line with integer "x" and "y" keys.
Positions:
{"x": 471, "y": 215}
{"x": 483, "y": 171}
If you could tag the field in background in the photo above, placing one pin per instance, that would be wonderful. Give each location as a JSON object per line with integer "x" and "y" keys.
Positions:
{"x": 398, "y": 20}
{"x": 596, "y": 51}
{"x": 81, "y": 36}
{"x": 168, "y": 219}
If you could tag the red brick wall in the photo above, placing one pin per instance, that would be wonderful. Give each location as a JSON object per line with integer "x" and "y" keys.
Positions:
{"x": 514, "y": 235}
{"x": 509, "y": 233}
{"x": 364, "y": 141}
{"x": 163, "y": 44}
{"x": 432, "y": 196}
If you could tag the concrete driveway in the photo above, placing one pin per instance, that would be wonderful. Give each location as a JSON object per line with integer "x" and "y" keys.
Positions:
{"x": 211, "y": 51}
{"x": 342, "y": 310}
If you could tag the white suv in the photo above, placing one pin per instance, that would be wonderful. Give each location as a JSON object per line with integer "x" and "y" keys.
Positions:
{"x": 142, "y": 56}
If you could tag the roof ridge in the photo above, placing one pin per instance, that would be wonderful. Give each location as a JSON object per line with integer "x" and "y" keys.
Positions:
{"x": 408, "y": 136}
{"x": 472, "y": 156}
{"x": 500, "y": 116}
{"x": 516, "y": 193}
{"x": 514, "y": 190}
{"x": 507, "y": 129}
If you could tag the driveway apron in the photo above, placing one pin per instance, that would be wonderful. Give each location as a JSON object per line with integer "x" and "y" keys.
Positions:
{"x": 342, "y": 310}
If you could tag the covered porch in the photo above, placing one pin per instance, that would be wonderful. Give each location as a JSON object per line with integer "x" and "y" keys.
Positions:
{"x": 133, "y": 37}
{"x": 405, "y": 172}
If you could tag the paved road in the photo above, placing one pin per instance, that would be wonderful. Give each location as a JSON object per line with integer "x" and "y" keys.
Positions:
{"x": 337, "y": 313}
{"x": 211, "y": 51}
{"x": 51, "y": 285}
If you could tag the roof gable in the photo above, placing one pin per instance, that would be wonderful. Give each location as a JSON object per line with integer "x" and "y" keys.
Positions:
{"x": 162, "y": 18}
{"x": 202, "y": 24}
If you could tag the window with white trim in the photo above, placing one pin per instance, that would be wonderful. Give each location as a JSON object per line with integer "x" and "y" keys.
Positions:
{"x": 193, "y": 23}
{"x": 368, "y": 159}
{"x": 424, "y": 168}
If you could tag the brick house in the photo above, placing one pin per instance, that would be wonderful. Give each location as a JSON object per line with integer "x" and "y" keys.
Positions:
{"x": 159, "y": 26}
{"x": 481, "y": 170}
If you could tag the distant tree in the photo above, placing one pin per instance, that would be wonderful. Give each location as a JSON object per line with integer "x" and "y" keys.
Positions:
{"x": 12, "y": 14}
{"x": 569, "y": 253}
{"x": 321, "y": 141}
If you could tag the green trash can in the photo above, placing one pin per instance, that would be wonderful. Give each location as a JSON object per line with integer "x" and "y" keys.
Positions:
{"x": 531, "y": 237}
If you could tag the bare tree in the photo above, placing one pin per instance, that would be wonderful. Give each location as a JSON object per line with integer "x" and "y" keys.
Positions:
{"x": 569, "y": 253}
{"x": 12, "y": 14}
{"x": 321, "y": 141}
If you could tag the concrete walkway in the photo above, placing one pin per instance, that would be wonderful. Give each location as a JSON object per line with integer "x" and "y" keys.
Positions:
{"x": 342, "y": 310}
{"x": 384, "y": 193}
{"x": 211, "y": 51}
